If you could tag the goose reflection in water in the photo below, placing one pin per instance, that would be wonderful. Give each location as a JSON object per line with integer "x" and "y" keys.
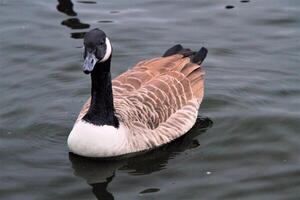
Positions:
{"x": 99, "y": 173}
{"x": 66, "y": 7}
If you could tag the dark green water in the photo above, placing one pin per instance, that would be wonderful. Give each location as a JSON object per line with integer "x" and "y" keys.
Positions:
{"x": 252, "y": 95}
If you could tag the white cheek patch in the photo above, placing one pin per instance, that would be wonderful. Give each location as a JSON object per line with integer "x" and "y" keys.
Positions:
{"x": 108, "y": 50}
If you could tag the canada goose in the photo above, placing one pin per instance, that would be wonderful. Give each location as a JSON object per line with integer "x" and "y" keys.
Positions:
{"x": 149, "y": 105}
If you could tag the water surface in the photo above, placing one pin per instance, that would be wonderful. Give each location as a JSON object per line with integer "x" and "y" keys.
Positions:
{"x": 252, "y": 95}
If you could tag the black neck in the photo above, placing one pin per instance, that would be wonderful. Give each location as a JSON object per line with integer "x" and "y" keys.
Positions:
{"x": 101, "y": 111}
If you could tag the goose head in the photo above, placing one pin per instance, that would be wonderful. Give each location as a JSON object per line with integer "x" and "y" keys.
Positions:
{"x": 97, "y": 49}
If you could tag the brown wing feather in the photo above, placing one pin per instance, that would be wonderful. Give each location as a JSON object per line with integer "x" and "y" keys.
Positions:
{"x": 195, "y": 74}
{"x": 159, "y": 88}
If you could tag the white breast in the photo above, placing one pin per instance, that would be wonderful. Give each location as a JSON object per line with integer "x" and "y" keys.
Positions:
{"x": 89, "y": 140}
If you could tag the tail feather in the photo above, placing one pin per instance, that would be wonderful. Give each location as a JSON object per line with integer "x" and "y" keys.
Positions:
{"x": 196, "y": 57}
{"x": 173, "y": 50}
{"x": 200, "y": 56}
